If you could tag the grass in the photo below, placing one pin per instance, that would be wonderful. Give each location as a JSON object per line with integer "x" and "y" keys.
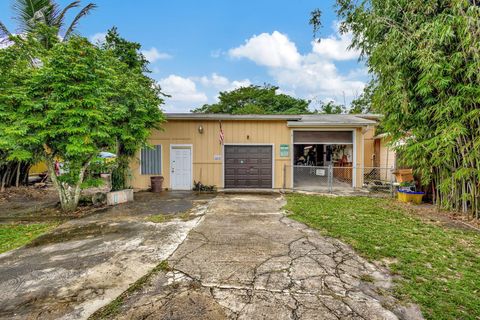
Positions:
{"x": 114, "y": 308}
{"x": 17, "y": 235}
{"x": 439, "y": 267}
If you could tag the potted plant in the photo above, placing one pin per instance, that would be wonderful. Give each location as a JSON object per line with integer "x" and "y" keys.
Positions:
{"x": 407, "y": 193}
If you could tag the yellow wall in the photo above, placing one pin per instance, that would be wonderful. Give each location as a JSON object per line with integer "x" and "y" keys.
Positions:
{"x": 387, "y": 155}
{"x": 39, "y": 167}
{"x": 368, "y": 146}
{"x": 207, "y": 145}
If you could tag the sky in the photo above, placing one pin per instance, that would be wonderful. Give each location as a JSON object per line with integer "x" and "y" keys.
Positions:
{"x": 197, "y": 48}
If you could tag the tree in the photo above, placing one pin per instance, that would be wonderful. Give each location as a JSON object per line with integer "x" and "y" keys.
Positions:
{"x": 42, "y": 20}
{"x": 75, "y": 101}
{"x": 69, "y": 111}
{"x": 425, "y": 58}
{"x": 363, "y": 103}
{"x": 330, "y": 107}
{"x": 256, "y": 100}
{"x": 137, "y": 104}
{"x": 30, "y": 13}
{"x": 16, "y": 148}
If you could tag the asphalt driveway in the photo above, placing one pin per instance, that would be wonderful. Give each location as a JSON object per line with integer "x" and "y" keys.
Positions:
{"x": 246, "y": 260}
{"x": 86, "y": 263}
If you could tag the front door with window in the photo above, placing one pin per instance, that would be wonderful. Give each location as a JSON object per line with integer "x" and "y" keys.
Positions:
{"x": 181, "y": 167}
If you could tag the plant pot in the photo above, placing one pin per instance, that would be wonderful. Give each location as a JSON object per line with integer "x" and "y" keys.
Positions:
{"x": 120, "y": 196}
{"x": 157, "y": 183}
{"x": 410, "y": 196}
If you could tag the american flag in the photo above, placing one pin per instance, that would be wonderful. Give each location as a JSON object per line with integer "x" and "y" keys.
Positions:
{"x": 221, "y": 136}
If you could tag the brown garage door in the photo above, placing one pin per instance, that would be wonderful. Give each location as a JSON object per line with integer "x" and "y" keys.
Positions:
{"x": 248, "y": 166}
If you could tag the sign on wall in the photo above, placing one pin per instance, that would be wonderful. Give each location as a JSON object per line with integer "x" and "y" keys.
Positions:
{"x": 217, "y": 157}
{"x": 284, "y": 150}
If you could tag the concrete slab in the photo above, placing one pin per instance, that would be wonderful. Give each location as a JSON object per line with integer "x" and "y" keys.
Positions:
{"x": 86, "y": 263}
{"x": 246, "y": 260}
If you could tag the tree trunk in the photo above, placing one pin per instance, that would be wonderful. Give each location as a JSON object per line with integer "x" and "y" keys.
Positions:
{"x": 17, "y": 178}
{"x": 4, "y": 178}
{"x": 69, "y": 194}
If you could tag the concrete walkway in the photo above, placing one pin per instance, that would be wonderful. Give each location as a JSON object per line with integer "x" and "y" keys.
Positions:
{"x": 86, "y": 263}
{"x": 246, "y": 260}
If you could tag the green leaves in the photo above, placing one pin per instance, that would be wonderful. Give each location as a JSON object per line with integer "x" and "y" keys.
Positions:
{"x": 425, "y": 57}
{"x": 76, "y": 100}
{"x": 256, "y": 100}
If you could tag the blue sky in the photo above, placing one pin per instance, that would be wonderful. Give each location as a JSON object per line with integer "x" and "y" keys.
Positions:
{"x": 198, "y": 48}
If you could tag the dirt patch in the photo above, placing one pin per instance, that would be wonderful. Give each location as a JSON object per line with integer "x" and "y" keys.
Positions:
{"x": 25, "y": 201}
{"x": 431, "y": 214}
{"x": 79, "y": 232}
{"x": 32, "y": 204}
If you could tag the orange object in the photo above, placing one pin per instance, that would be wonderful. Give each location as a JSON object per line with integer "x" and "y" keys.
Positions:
{"x": 403, "y": 175}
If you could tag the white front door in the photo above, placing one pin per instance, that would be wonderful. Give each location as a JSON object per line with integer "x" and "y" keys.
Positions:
{"x": 181, "y": 167}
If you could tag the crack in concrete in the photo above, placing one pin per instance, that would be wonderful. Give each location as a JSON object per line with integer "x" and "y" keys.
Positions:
{"x": 258, "y": 266}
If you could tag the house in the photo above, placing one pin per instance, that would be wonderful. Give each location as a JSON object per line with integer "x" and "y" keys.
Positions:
{"x": 260, "y": 151}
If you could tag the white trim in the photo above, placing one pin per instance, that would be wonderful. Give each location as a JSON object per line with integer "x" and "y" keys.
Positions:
{"x": 354, "y": 173}
{"x": 292, "y": 156}
{"x": 249, "y": 144}
{"x": 191, "y": 164}
{"x": 161, "y": 161}
{"x": 336, "y": 142}
{"x": 294, "y": 124}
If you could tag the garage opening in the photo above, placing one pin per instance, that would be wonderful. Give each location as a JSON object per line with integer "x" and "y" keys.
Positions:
{"x": 248, "y": 166}
{"x": 322, "y": 160}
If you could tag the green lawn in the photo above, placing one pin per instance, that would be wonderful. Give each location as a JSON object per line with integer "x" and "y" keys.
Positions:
{"x": 439, "y": 267}
{"x": 16, "y": 235}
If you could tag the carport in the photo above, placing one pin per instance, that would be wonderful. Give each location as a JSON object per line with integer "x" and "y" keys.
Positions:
{"x": 322, "y": 159}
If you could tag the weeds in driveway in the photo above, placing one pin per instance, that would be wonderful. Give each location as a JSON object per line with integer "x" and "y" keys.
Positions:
{"x": 114, "y": 308}
{"x": 17, "y": 235}
{"x": 439, "y": 267}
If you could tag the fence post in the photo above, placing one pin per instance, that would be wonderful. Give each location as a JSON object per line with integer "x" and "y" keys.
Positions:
{"x": 392, "y": 181}
{"x": 330, "y": 178}
{"x": 284, "y": 176}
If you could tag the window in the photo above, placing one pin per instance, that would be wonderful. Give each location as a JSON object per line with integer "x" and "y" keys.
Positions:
{"x": 151, "y": 160}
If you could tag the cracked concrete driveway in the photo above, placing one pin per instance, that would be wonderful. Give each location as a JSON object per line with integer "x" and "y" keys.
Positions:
{"x": 246, "y": 260}
{"x": 86, "y": 263}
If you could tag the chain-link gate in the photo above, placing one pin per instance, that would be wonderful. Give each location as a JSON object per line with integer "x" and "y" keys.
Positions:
{"x": 371, "y": 180}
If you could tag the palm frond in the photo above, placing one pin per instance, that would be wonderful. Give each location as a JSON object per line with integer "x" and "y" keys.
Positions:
{"x": 4, "y": 33}
{"x": 28, "y": 12}
{"x": 60, "y": 16}
{"x": 85, "y": 11}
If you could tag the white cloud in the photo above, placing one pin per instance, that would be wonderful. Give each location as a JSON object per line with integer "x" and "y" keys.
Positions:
{"x": 191, "y": 92}
{"x": 335, "y": 47}
{"x": 313, "y": 75}
{"x": 270, "y": 50}
{"x": 98, "y": 38}
{"x": 153, "y": 55}
{"x": 5, "y": 42}
{"x": 184, "y": 92}
{"x": 222, "y": 83}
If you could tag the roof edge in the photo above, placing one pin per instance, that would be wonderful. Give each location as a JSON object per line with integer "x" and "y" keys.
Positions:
{"x": 223, "y": 116}
{"x": 294, "y": 124}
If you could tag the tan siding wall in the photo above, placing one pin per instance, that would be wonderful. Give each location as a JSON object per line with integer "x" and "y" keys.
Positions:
{"x": 387, "y": 158}
{"x": 369, "y": 147}
{"x": 206, "y": 145}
